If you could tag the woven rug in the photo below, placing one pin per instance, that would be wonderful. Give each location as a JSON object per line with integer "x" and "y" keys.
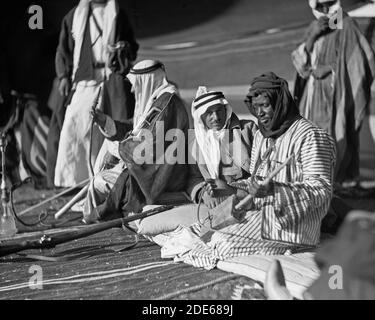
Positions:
{"x": 99, "y": 272}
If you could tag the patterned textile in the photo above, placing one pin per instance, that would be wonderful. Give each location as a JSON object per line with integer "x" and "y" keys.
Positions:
{"x": 236, "y": 240}
{"x": 26, "y": 139}
{"x": 34, "y": 133}
{"x": 291, "y": 217}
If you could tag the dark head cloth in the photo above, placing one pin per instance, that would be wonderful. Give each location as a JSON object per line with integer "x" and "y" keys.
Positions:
{"x": 285, "y": 109}
{"x": 156, "y": 65}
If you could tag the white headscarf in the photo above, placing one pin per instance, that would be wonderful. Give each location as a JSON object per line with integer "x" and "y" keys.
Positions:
{"x": 332, "y": 9}
{"x": 79, "y": 24}
{"x": 209, "y": 140}
{"x": 149, "y": 82}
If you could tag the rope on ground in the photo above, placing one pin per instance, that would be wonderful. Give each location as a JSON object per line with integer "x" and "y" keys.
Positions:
{"x": 172, "y": 295}
{"x": 95, "y": 276}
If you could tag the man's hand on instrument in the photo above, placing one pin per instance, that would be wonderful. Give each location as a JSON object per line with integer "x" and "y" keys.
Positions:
{"x": 259, "y": 190}
{"x": 240, "y": 194}
{"x": 64, "y": 87}
{"x": 219, "y": 188}
{"x": 98, "y": 117}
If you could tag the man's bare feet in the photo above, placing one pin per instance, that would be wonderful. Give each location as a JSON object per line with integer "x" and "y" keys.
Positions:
{"x": 275, "y": 286}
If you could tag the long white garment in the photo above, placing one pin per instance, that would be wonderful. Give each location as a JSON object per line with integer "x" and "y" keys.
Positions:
{"x": 209, "y": 140}
{"x": 72, "y": 164}
{"x": 99, "y": 188}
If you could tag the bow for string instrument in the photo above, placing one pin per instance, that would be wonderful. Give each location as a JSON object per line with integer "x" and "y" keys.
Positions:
{"x": 273, "y": 174}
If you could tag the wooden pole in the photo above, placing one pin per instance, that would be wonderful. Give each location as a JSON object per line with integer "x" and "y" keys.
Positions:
{"x": 56, "y": 196}
{"x": 72, "y": 202}
{"x": 273, "y": 174}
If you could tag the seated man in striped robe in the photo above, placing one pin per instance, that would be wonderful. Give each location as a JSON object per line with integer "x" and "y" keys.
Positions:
{"x": 143, "y": 162}
{"x": 284, "y": 214}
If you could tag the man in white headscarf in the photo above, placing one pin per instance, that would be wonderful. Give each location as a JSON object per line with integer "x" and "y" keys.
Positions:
{"x": 335, "y": 69}
{"x": 221, "y": 149}
{"x": 95, "y": 50}
{"x": 145, "y": 169}
{"x": 223, "y": 141}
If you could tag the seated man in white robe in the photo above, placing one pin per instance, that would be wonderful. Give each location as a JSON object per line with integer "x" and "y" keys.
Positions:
{"x": 124, "y": 185}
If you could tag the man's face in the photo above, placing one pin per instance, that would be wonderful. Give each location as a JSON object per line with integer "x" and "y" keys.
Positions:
{"x": 325, "y": 6}
{"x": 263, "y": 109}
{"x": 215, "y": 116}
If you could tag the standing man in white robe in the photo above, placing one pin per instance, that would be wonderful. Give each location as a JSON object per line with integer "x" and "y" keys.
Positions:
{"x": 92, "y": 34}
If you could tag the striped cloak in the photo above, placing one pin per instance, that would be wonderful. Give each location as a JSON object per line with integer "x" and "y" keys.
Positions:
{"x": 291, "y": 217}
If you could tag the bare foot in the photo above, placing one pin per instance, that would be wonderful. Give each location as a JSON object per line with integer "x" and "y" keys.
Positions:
{"x": 275, "y": 286}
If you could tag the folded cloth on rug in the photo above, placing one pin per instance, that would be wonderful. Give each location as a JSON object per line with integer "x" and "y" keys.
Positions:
{"x": 180, "y": 241}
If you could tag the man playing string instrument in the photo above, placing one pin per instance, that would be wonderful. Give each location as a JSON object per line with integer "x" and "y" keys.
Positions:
{"x": 284, "y": 214}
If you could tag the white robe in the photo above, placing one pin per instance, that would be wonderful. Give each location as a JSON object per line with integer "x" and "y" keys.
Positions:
{"x": 72, "y": 164}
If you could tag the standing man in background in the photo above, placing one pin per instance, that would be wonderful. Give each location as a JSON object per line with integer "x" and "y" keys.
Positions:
{"x": 335, "y": 69}
{"x": 96, "y": 49}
